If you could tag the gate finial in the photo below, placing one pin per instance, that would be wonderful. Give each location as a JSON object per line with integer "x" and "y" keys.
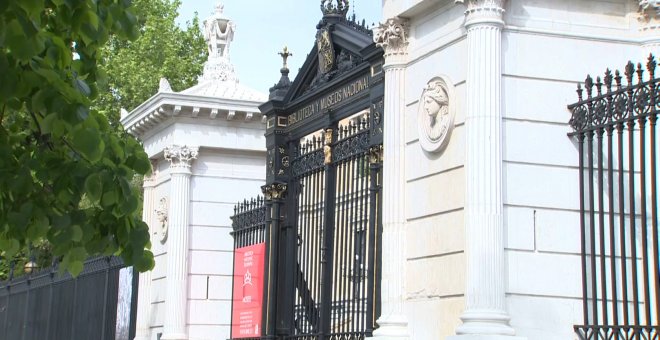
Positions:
{"x": 329, "y": 8}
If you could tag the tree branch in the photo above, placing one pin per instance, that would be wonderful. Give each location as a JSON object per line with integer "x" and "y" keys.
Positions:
{"x": 37, "y": 123}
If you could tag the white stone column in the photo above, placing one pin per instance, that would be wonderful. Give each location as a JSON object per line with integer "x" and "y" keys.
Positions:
{"x": 485, "y": 316}
{"x": 392, "y": 37}
{"x": 180, "y": 158}
{"x": 143, "y": 322}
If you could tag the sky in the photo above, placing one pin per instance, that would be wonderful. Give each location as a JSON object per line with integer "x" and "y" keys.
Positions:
{"x": 263, "y": 28}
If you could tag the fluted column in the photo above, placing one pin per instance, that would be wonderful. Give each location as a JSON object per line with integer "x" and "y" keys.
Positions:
{"x": 142, "y": 324}
{"x": 485, "y": 316}
{"x": 392, "y": 37}
{"x": 180, "y": 158}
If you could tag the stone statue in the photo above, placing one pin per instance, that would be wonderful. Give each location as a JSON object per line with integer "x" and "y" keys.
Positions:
{"x": 435, "y": 118}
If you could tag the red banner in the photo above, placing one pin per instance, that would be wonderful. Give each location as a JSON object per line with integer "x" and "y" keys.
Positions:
{"x": 248, "y": 291}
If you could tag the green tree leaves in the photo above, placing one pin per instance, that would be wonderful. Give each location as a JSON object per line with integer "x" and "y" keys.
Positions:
{"x": 163, "y": 49}
{"x": 64, "y": 170}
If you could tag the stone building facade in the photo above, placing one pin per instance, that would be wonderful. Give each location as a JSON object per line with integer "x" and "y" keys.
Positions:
{"x": 488, "y": 221}
{"x": 207, "y": 151}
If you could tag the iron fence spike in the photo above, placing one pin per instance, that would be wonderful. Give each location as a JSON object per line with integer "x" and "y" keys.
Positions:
{"x": 630, "y": 69}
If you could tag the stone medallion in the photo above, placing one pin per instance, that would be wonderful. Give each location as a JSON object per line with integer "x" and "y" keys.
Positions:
{"x": 435, "y": 114}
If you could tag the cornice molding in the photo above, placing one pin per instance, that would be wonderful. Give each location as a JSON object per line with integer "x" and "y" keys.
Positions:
{"x": 163, "y": 105}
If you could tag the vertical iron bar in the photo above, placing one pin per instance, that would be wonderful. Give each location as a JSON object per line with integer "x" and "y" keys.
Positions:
{"x": 318, "y": 240}
{"x": 642, "y": 186}
{"x": 622, "y": 225}
{"x": 269, "y": 287}
{"x": 105, "y": 297}
{"x": 327, "y": 257}
{"x": 73, "y": 313}
{"x": 654, "y": 196}
{"x": 632, "y": 213}
{"x": 601, "y": 229}
{"x": 343, "y": 250}
{"x": 592, "y": 225}
{"x": 27, "y": 308}
{"x": 50, "y": 301}
{"x": 371, "y": 270}
{"x": 350, "y": 244}
{"x": 610, "y": 184}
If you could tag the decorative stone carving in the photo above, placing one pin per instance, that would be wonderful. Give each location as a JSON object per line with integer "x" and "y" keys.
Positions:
{"x": 327, "y": 148}
{"x": 435, "y": 117}
{"x": 487, "y": 12}
{"x": 219, "y": 33}
{"x": 180, "y": 157}
{"x": 274, "y": 191}
{"x": 649, "y": 9}
{"x": 392, "y": 36}
{"x": 161, "y": 217}
{"x": 164, "y": 85}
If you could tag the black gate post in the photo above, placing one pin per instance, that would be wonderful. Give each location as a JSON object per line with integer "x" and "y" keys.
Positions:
{"x": 327, "y": 246}
{"x": 275, "y": 192}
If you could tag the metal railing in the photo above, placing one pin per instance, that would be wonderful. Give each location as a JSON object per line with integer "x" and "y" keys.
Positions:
{"x": 615, "y": 130}
{"x": 46, "y": 305}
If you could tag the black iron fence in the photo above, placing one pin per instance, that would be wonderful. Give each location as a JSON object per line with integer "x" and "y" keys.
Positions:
{"x": 616, "y": 134}
{"x": 46, "y": 305}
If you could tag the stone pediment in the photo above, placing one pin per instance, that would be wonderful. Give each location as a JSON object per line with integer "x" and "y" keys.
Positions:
{"x": 338, "y": 49}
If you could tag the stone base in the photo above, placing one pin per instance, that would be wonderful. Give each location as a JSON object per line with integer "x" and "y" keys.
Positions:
{"x": 485, "y": 337}
{"x": 174, "y": 336}
{"x": 485, "y": 322}
{"x": 395, "y": 328}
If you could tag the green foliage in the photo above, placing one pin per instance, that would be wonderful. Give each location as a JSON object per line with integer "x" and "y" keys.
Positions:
{"x": 40, "y": 253}
{"x": 54, "y": 150}
{"x": 163, "y": 49}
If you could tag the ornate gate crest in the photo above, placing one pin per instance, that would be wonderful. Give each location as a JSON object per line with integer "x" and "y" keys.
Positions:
{"x": 326, "y": 50}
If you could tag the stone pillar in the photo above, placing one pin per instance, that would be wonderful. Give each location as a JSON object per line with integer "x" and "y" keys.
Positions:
{"x": 180, "y": 158}
{"x": 392, "y": 36}
{"x": 485, "y": 315}
{"x": 143, "y": 322}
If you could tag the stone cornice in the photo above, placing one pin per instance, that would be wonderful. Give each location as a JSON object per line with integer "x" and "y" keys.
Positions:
{"x": 392, "y": 36}
{"x": 180, "y": 157}
{"x": 484, "y": 12}
{"x": 164, "y": 105}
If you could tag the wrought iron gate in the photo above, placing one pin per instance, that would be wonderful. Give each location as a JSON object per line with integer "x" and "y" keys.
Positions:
{"x": 318, "y": 228}
{"x": 616, "y": 133}
{"x": 335, "y": 191}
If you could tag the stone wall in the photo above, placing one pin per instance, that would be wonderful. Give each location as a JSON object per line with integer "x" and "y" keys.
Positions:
{"x": 435, "y": 182}
{"x": 546, "y": 48}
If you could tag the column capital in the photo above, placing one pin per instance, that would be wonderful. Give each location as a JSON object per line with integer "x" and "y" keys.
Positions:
{"x": 484, "y": 12}
{"x": 274, "y": 191}
{"x": 181, "y": 157}
{"x": 392, "y": 36}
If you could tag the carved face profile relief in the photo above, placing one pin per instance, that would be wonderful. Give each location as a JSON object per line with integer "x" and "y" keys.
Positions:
{"x": 161, "y": 217}
{"x": 435, "y": 116}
